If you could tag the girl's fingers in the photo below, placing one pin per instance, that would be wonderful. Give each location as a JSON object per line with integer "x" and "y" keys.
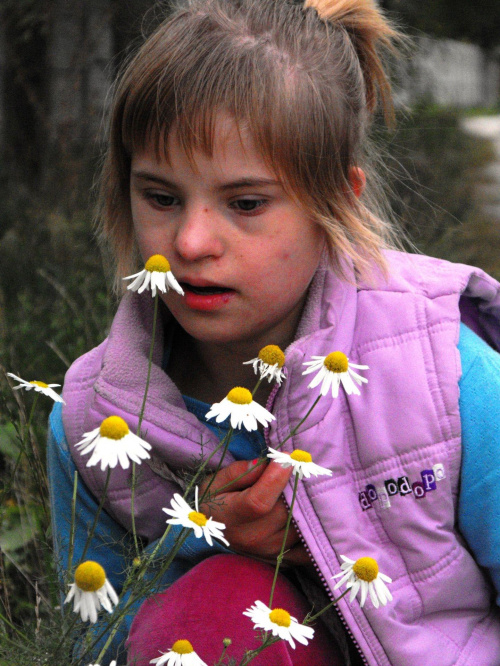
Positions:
{"x": 259, "y": 499}
{"x": 236, "y": 476}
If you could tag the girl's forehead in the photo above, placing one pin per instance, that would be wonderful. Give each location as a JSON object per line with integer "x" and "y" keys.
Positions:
{"x": 230, "y": 145}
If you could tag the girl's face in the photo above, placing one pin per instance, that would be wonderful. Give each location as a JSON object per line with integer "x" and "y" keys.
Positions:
{"x": 240, "y": 247}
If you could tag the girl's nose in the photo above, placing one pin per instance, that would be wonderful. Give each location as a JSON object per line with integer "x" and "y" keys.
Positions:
{"x": 198, "y": 234}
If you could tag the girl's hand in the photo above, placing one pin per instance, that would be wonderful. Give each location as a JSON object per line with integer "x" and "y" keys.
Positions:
{"x": 253, "y": 511}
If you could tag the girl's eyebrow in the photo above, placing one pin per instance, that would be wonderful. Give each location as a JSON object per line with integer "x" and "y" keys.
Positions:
{"x": 232, "y": 185}
{"x": 146, "y": 175}
{"x": 248, "y": 182}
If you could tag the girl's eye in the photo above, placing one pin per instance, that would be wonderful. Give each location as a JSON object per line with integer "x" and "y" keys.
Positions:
{"x": 162, "y": 200}
{"x": 248, "y": 205}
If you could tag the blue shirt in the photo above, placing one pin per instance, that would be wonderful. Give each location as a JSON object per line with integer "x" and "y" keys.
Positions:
{"x": 479, "y": 498}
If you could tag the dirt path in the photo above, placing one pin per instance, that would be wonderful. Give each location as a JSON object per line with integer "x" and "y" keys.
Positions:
{"x": 488, "y": 127}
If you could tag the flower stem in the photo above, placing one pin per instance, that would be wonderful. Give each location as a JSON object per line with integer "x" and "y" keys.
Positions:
{"x": 225, "y": 443}
{"x": 39, "y": 473}
{"x": 150, "y": 361}
{"x": 221, "y": 660}
{"x": 312, "y": 618}
{"x": 72, "y": 527}
{"x": 282, "y": 551}
{"x": 132, "y": 509}
{"x": 141, "y": 590}
{"x": 256, "y": 386}
{"x": 251, "y": 654}
{"x": 139, "y": 424}
{"x": 293, "y": 431}
{"x": 14, "y": 628}
{"x": 96, "y": 517}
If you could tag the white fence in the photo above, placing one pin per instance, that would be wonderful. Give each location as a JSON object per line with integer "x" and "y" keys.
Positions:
{"x": 448, "y": 73}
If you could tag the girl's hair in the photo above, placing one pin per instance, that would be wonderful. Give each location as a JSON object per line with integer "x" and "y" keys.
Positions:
{"x": 304, "y": 79}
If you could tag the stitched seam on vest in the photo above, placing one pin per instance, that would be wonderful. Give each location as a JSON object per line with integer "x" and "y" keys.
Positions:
{"x": 150, "y": 416}
{"x": 325, "y": 546}
{"x": 427, "y": 573}
{"x": 443, "y": 637}
{"x": 394, "y": 461}
{"x": 409, "y": 334}
{"x": 479, "y": 630}
{"x": 432, "y": 375}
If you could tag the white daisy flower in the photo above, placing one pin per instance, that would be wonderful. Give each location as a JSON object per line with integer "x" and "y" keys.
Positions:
{"x": 333, "y": 370}
{"x": 183, "y": 514}
{"x": 280, "y": 622}
{"x": 113, "y": 663}
{"x": 113, "y": 443}
{"x": 269, "y": 363}
{"x": 363, "y": 574}
{"x": 301, "y": 461}
{"x": 40, "y": 387}
{"x": 180, "y": 654}
{"x": 91, "y": 591}
{"x": 156, "y": 274}
{"x": 240, "y": 406}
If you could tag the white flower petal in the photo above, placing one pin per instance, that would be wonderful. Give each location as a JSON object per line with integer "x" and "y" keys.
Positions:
{"x": 110, "y": 452}
{"x": 240, "y": 414}
{"x": 300, "y": 468}
{"x": 375, "y": 588}
{"x": 180, "y": 512}
{"x": 174, "y": 284}
{"x": 328, "y": 378}
{"x": 139, "y": 277}
{"x": 260, "y": 616}
{"x": 145, "y": 284}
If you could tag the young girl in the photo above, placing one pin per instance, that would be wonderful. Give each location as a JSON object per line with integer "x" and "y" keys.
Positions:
{"x": 237, "y": 150}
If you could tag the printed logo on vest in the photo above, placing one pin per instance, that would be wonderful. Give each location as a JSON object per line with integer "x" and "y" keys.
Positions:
{"x": 382, "y": 493}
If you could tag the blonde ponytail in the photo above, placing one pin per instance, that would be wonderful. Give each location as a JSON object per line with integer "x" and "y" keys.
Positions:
{"x": 371, "y": 33}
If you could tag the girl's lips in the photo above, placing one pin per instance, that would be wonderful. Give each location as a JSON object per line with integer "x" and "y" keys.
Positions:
{"x": 204, "y": 288}
{"x": 206, "y": 297}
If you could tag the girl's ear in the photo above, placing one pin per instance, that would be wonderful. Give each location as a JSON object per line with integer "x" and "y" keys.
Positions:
{"x": 357, "y": 179}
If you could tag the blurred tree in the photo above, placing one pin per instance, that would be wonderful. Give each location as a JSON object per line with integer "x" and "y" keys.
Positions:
{"x": 58, "y": 60}
{"x": 477, "y": 22}
{"x": 24, "y": 102}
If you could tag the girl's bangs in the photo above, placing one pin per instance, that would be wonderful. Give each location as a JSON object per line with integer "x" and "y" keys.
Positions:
{"x": 267, "y": 100}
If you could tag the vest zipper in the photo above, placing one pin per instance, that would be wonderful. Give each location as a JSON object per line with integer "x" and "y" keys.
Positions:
{"x": 330, "y": 595}
{"x": 269, "y": 405}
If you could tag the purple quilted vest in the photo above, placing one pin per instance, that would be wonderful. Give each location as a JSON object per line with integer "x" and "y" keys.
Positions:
{"x": 394, "y": 450}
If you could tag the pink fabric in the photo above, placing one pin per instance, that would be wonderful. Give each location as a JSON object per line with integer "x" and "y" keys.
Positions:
{"x": 404, "y": 426}
{"x": 206, "y": 605}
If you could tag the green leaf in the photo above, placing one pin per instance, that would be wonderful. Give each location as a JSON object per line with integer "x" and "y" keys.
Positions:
{"x": 17, "y": 537}
{"x": 9, "y": 441}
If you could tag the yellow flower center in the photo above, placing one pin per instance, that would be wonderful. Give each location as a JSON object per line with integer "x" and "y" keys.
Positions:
{"x": 197, "y": 518}
{"x": 182, "y": 647}
{"x": 336, "y": 362}
{"x": 280, "y": 617}
{"x": 366, "y": 568}
{"x": 40, "y": 384}
{"x": 272, "y": 355}
{"x": 301, "y": 456}
{"x": 157, "y": 263}
{"x": 240, "y": 396}
{"x": 114, "y": 427}
{"x": 90, "y": 576}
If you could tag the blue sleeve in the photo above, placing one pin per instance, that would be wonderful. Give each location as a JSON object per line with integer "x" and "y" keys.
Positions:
{"x": 111, "y": 545}
{"x": 479, "y": 500}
